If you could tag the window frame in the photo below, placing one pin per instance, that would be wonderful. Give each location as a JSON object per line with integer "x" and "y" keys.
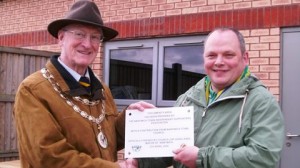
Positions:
{"x": 130, "y": 45}
{"x": 169, "y": 42}
{"x": 158, "y": 45}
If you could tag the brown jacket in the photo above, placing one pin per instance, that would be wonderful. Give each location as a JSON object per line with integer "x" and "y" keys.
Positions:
{"x": 51, "y": 134}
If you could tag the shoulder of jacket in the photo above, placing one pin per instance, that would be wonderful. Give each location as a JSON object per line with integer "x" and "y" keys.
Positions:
{"x": 33, "y": 79}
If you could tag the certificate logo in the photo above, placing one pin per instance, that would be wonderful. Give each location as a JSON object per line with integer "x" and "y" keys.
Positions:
{"x": 136, "y": 148}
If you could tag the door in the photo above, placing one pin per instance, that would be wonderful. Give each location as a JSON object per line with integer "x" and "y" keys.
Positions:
{"x": 290, "y": 102}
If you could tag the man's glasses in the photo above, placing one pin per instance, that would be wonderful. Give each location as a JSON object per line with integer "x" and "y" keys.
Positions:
{"x": 80, "y": 35}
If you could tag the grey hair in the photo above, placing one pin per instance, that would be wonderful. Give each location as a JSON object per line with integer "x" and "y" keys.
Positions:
{"x": 236, "y": 32}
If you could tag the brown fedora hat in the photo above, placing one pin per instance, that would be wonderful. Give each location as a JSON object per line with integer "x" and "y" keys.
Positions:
{"x": 82, "y": 12}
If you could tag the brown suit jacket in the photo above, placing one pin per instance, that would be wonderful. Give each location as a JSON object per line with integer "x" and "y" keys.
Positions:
{"x": 51, "y": 134}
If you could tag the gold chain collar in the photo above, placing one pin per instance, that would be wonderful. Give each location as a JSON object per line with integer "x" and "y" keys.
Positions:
{"x": 46, "y": 74}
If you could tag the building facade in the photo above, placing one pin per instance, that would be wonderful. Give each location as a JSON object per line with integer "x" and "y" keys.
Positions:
{"x": 157, "y": 25}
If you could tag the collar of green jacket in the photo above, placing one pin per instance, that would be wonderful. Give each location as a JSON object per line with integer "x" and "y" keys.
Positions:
{"x": 239, "y": 89}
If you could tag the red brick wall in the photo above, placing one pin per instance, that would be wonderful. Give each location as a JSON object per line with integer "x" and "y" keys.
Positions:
{"x": 197, "y": 23}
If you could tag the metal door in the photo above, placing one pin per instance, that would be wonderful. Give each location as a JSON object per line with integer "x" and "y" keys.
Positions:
{"x": 290, "y": 100}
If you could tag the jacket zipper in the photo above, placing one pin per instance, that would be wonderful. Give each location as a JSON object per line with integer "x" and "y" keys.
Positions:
{"x": 204, "y": 112}
{"x": 225, "y": 98}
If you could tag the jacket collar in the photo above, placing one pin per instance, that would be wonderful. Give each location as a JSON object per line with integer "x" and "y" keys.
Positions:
{"x": 197, "y": 95}
{"x": 74, "y": 88}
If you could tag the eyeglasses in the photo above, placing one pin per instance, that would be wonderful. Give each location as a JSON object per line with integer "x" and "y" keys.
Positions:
{"x": 80, "y": 35}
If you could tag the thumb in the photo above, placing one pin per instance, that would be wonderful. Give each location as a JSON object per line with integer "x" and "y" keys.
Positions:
{"x": 178, "y": 150}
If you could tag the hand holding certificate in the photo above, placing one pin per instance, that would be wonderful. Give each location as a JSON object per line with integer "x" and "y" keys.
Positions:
{"x": 156, "y": 132}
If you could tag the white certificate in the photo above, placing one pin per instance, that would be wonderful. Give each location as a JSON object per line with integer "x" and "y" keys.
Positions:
{"x": 156, "y": 132}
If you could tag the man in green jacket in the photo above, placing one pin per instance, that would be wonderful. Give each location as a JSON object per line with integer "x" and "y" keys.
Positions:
{"x": 238, "y": 122}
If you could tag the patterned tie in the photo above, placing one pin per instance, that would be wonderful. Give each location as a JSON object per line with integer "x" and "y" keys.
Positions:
{"x": 85, "y": 82}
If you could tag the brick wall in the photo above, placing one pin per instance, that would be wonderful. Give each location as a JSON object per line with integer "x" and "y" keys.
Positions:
{"x": 24, "y": 23}
{"x": 120, "y": 10}
{"x": 264, "y": 52}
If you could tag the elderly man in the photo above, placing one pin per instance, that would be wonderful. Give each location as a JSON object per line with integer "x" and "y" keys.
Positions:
{"x": 65, "y": 116}
{"x": 238, "y": 123}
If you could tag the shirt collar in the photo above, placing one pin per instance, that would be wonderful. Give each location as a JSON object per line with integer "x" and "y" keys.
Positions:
{"x": 72, "y": 72}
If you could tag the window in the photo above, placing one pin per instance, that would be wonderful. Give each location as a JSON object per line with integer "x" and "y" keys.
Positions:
{"x": 153, "y": 70}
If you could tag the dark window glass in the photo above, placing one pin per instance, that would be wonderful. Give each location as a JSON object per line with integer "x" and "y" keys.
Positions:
{"x": 183, "y": 68}
{"x": 131, "y": 73}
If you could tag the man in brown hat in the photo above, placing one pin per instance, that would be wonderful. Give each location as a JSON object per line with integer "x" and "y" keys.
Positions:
{"x": 66, "y": 117}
